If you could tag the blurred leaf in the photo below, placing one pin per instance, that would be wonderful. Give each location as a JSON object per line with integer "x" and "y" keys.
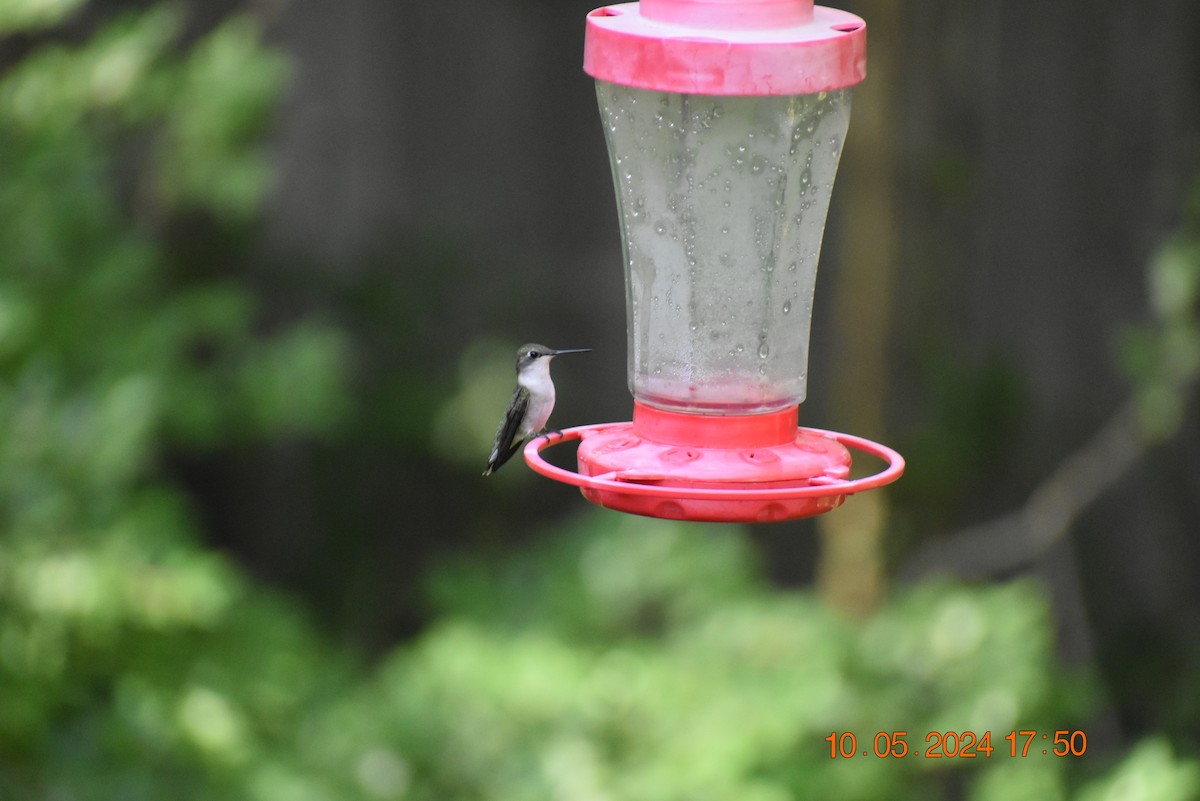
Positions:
{"x": 24, "y": 15}
{"x": 1162, "y": 358}
{"x": 465, "y": 426}
{"x": 216, "y": 125}
{"x": 1174, "y": 278}
{"x": 1020, "y": 780}
{"x": 53, "y": 89}
{"x": 612, "y": 573}
{"x": 294, "y": 382}
{"x": 1150, "y": 773}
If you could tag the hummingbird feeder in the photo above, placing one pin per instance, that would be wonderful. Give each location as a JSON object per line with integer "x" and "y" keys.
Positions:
{"x": 724, "y": 121}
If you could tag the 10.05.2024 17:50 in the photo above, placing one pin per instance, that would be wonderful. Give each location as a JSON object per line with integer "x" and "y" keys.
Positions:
{"x": 961, "y": 744}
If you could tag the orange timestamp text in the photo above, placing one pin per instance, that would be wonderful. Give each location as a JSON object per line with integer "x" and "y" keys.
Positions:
{"x": 960, "y": 744}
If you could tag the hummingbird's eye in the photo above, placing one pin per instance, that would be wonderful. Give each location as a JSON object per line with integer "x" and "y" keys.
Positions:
{"x": 533, "y": 354}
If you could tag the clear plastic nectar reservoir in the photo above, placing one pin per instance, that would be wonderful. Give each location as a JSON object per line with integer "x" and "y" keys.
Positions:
{"x": 722, "y": 201}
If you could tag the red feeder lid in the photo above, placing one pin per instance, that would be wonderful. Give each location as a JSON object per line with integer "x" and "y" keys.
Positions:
{"x": 726, "y": 47}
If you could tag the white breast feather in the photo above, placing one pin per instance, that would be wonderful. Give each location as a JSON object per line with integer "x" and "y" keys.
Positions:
{"x": 536, "y": 379}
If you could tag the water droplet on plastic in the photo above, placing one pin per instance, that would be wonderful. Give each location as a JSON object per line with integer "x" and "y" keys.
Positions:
{"x": 763, "y": 350}
{"x": 787, "y": 307}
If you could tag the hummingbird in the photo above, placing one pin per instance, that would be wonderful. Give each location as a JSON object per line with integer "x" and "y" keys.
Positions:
{"x": 530, "y": 405}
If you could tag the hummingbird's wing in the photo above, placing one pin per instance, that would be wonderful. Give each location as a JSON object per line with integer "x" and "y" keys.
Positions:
{"x": 506, "y": 435}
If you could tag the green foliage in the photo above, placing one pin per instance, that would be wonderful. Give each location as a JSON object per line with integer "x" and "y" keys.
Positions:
{"x": 135, "y": 663}
{"x": 599, "y": 586}
{"x": 636, "y": 659}
{"x": 1151, "y": 772}
{"x": 222, "y": 94}
{"x": 95, "y": 293}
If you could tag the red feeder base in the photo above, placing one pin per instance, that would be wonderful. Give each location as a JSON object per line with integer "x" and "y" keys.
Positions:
{"x": 732, "y": 468}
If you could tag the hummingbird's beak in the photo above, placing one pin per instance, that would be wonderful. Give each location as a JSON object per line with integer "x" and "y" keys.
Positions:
{"x": 571, "y": 350}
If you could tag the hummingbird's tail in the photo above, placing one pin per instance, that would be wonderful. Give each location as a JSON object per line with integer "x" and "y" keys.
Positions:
{"x": 499, "y": 457}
